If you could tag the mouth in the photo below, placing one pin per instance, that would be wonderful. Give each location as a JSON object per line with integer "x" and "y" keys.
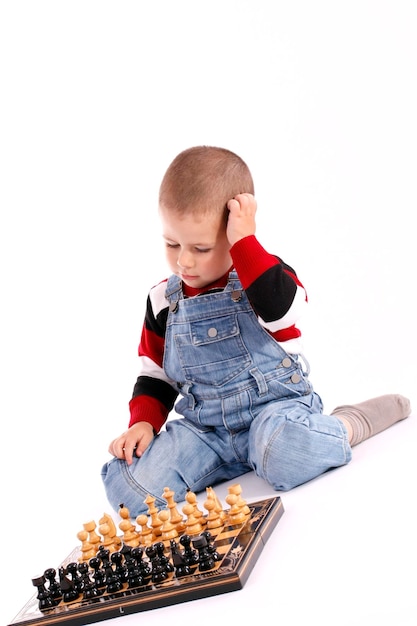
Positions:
{"x": 186, "y": 277}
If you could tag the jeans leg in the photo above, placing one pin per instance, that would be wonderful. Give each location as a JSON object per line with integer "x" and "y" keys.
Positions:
{"x": 292, "y": 442}
{"x": 182, "y": 457}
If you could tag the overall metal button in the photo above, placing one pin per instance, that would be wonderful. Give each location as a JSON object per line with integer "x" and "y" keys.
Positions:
{"x": 173, "y": 307}
{"x": 236, "y": 295}
{"x": 212, "y": 332}
{"x": 286, "y": 362}
{"x": 295, "y": 378}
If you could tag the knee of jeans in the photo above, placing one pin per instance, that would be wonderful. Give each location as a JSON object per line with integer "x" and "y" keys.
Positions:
{"x": 288, "y": 457}
{"x": 278, "y": 472}
{"x": 120, "y": 489}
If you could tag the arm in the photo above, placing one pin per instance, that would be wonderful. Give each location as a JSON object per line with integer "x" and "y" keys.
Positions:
{"x": 273, "y": 288}
{"x": 153, "y": 395}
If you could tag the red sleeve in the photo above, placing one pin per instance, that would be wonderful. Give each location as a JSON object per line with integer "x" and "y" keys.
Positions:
{"x": 251, "y": 260}
{"x": 147, "y": 409}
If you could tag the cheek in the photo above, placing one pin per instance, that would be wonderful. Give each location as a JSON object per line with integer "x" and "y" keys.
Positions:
{"x": 171, "y": 257}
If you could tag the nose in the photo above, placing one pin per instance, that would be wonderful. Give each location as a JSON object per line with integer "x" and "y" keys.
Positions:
{"x": 185, "y": 260}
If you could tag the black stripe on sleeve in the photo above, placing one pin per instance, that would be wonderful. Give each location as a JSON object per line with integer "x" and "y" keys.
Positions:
{"x": 156, "y": 388}
{"x": 156, "y": 324}
{"x": 272, "y": 294}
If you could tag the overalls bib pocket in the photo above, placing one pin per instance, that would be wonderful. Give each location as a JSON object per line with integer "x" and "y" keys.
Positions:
{"x": 212, "y": 352}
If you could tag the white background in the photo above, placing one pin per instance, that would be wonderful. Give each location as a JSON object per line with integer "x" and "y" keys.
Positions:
{"x": 97, "y": 98}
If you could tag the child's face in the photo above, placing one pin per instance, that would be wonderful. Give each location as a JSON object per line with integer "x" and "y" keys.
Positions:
{"x": 197, "y": 248}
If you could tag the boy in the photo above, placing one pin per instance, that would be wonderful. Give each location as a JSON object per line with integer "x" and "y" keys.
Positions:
{"x": 221, "y": 332}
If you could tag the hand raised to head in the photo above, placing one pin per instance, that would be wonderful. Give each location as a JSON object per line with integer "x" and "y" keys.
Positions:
{"x": 241, "y": 222}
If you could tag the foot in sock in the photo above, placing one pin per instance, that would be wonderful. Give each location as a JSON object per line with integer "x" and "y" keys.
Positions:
{"x": 372, "y": 416}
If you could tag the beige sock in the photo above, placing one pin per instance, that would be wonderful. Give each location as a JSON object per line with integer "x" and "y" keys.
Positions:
{"x": 372, "y": 416}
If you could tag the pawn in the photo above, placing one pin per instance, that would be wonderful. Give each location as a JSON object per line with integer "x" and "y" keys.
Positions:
{"x": 191, "y": 498}
{"x": 104, "y": 555}
{"x": 236, "y": 515}
{"x": 192, "y": 524}
{"x": 93, "y": 538}
{"x": 218, "y": 508}
{"x": 134, "y": 576}
{"x": 144, "y": 567}
{"x": 214, "y": 521}
{"x": 159, "y": 573}
{"x": 165, "y": 562}
{"x": 237, "y": 490}
{"x": 89, "y": 589}
{"x": 53, "y": 585}
{"x": 99, "y": 574}
{"x": 168, "y": 529}
{"x": 130, "y": 534}
{"x": 87, "y": 549}
{"x": 119, "y": 568}
{"x": 189, "y": 554}
{"x": 145, "y": 534}
{"x": 113, "y": 583}
{"x": 72, "y": 570}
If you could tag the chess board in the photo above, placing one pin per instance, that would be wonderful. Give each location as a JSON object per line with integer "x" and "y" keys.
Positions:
{"x": 237, "y": 546}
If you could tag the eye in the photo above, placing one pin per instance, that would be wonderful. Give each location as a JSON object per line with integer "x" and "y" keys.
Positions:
{"x": 203, "y": 250}
{"x": 171, "y": 245}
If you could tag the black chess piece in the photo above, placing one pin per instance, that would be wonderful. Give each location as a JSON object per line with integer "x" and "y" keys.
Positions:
{"x": 189, "y": 554}
{"x": 53, "y": 585}
{"x": 120, "y": 570}
{"x": 165, "y": 562}
{"x": 104, "y": 555}
{"x": 134, "y": 575}
{"x": 181, "y": 567}
{"x": 69, "y": 591}
{"x": 145, "y": 568}
{"x": 211, "y": 545}
{"x": 45, "y": 600}
{"x": 89, "y": 588}
{"x": 159, "y": 573}
{"x": 206, "y": 561}
{"x": 125, "y": 550}
{"x": 113, "y": 583}
{"x": 99, "y": 575}
{"x": 72, "y": 570}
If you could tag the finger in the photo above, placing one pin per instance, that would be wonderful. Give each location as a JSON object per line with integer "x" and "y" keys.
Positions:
{"x": 127, "y": 455}
{"x": 233, "y": 205}
{"x": 140, "y": 449}
{"x": 242, "y": 198}
{"x": 247, "y": 202}
{"x": 115, "y": 449}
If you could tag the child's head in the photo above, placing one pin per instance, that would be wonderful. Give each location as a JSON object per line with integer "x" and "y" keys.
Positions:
{"x": 193, "y": 207}
{"x": 202, "y": 180}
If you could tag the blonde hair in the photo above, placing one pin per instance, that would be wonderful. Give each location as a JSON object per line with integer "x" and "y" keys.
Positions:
{"x": 203, "y": 179}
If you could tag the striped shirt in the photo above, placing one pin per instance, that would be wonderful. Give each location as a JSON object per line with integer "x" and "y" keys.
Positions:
{"x": 276, "y": 295}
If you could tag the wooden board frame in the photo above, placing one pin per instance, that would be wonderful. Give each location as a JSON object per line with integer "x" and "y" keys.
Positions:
{"x": 241, "y": 545}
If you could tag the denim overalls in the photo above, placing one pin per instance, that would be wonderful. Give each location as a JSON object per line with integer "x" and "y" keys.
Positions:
{"x": 246, "y": 405}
